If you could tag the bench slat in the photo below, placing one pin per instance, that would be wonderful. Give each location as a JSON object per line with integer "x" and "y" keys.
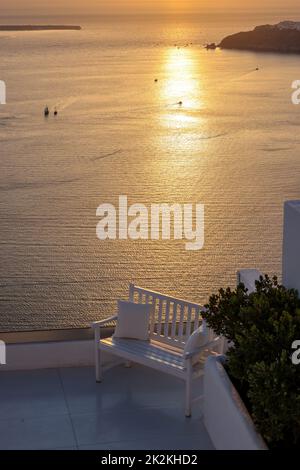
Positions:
{"x": 181, "y": 320}
{"x": 160, "y": 311}
{"x": 144, "y": 351}
{"x": 188, "y": 324}
{"x": 167, "y": 316}
{"x": 197, "y": 318}
{"x": 152, "y": 319}
{"x": 174, "y": 313}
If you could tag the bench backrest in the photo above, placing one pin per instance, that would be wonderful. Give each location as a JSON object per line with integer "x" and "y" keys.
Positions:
{"x": 173, "y": 320}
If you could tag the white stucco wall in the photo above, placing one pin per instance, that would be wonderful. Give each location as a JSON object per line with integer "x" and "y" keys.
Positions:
{"x": 248, "y": 278}
{"x": 291, "y": 245}
{"x": 226, "y": 419}
{"x": 50, "y": 355}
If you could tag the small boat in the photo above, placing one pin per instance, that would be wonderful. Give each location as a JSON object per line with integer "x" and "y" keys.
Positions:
{"x": 211, "y": 46}
{"x": 46, "y": 111}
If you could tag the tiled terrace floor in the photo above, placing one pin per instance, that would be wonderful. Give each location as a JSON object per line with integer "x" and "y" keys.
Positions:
{"x": 136, "y": 408}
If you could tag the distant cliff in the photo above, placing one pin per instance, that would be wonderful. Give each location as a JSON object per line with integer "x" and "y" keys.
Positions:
{"x": 282, "y": 37}
{"x": 38, "y": 27}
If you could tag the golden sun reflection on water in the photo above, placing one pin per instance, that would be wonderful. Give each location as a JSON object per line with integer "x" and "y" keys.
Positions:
{"x": 182, "y": 88}
{"x": 181, "y": 118}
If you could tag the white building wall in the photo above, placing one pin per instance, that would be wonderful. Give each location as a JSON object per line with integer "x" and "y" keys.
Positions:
{"x": 291, "y": 245}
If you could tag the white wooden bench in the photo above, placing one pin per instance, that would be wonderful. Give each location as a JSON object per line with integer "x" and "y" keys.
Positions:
{"x": 172, "y": 323}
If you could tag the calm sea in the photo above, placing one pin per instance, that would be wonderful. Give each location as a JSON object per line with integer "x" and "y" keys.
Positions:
{"x": 234, "y": 145}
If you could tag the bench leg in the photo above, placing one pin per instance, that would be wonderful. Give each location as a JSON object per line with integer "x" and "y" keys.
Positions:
{"x": 98, "y": 368}
{"x": 188, "y": 390}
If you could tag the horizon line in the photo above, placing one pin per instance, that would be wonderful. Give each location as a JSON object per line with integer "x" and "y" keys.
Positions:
{"x": 214, "y": 9}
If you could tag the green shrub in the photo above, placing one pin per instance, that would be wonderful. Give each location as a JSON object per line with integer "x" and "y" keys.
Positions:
{"x": 262, "y": 327}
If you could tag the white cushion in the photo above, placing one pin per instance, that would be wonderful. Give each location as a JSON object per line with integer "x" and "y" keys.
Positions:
{"x": 195, "y": 341}
{"x": 133, "y": 320}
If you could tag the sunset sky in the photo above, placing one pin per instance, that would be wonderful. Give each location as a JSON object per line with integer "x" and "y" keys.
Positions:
{"x": 135, "y": 6}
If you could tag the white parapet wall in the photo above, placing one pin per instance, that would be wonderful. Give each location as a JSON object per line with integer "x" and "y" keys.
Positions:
{"x": 226, "y": 418}
{"x": 50, "y": 349}
{"x": 49, "y": 355}
{"x": 291, "y": 245}
{"x": 248, "y": 278}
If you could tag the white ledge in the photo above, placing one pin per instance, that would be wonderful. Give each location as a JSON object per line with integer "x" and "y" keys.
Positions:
{"x": 226, "y": 418}
{"x": 248, "y": 278}
{"x": 30, "y": 356}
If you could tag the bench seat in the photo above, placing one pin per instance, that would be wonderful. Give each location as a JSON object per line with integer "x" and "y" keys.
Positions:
{"x": 146, "y": 353}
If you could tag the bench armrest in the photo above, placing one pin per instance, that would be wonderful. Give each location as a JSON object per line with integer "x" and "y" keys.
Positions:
{"x": 102, "y": 323}
{"x": 210, "y": 344}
